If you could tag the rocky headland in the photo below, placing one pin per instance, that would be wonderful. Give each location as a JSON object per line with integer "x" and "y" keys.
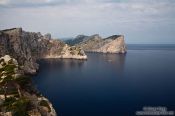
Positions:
{"x": 95, "y": 43}
{"x": 27, "y": 47}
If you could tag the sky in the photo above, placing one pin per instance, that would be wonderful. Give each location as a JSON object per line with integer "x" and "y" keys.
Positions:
{"x": 140, "y": 21}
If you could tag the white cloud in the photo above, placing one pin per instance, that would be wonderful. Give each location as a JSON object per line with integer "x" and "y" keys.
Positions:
{"x": 72, "y": 17}
{"x": 4, "y": 2}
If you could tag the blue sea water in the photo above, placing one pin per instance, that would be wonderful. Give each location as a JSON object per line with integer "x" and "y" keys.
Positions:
{"x": 110, "y": 84}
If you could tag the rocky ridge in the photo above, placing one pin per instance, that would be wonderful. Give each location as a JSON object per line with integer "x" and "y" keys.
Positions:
{"x": 95, "y": 43}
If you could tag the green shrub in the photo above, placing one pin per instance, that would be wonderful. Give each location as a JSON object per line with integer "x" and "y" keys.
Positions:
{"x": 1, "y": 90}
{"x": 9, "y": 68}
{"x": 8, "y": 102}
{"x": 8, "y": 78}
{"x": 18, "y": 107}
{"x": 23, "y": 80}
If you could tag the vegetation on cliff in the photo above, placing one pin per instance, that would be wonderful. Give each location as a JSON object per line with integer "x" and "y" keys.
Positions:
{"x": 18, "y": 97}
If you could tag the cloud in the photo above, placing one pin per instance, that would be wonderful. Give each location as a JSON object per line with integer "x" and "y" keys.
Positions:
{"x": 4, "y": 2}
{"x": 106, "y": 17}
{"x": 28, "y": 3}
{"x": 127, "y": 10}
{"x": 42, "y": 3}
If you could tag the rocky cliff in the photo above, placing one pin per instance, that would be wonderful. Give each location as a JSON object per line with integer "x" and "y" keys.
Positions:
{"x": 95, "y": 43}
{"x": 27, "y": 47}
{"x": 18, "y": 97}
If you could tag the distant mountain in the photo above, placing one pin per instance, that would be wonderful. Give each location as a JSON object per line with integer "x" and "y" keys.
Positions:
{"x": 95, "y": 43}
{"x": 76, "y": 40}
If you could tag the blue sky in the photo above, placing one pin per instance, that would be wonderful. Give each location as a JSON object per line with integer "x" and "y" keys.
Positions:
{"x": 141, "y": 21}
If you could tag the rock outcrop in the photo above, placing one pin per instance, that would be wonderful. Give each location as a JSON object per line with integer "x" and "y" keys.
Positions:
{"x": 27, "y": 47}
{"x": 18, "y": 97}
{"x": 95, "y": 43}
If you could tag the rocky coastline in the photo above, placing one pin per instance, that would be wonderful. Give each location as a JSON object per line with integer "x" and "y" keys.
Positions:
{"x": 19, "y": 51}
{"x": 27, "y": 47}
{"x": 18, "y": 96}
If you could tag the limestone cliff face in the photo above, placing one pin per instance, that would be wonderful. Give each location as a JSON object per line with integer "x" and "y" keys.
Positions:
{"x": 17, "y": 43}
{"x": 116, "y": 45}
{"x": 95, "y": 43}
{"x": 27, "y": 47}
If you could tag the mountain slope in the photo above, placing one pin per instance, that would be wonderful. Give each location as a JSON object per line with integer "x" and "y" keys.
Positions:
{"x": 95, "y": 43}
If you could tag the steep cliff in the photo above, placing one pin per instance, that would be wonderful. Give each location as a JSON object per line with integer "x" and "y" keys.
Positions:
{"x": 95, "y": 43}
{"x": 18, "y": 97}
{"x": 27, "y": 47}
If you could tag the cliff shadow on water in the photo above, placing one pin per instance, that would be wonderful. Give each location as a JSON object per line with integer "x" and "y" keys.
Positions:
{"x": 56, "y": 65}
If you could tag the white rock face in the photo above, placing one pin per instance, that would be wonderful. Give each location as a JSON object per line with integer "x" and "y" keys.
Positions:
{"x": 112, "y": 44}
{"x": 115, "y": 46}
{"x": 6, "y": 59}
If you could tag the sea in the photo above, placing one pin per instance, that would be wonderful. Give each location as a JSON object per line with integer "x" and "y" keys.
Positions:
{"x": 142, "y": 80}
